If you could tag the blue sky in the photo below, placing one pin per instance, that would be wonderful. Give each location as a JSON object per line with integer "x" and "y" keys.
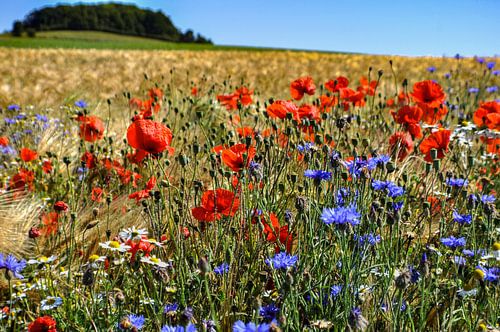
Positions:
{"x": 404, "y": 27}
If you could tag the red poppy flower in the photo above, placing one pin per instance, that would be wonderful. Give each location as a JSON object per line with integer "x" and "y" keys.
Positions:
{"x": 280, "y": 108}
{"x": 243, "y": 95}
{"x": 368, "y": 88}
{"x": 47, "y": 166}
{"x": 28, "y": 155}
{"x": 310, "y": 112}
{"x": 488, "y": 115}
{"x": 43, "y": 324}
{"x": 50, "y": 222}
{"x": 234, "y": 159}
{"x": 428, "y": 93}
{"x": 409, "y": 117}
{"x": 142, "y": 245}
{"x": 438, "y": 140}
{"x": 137, "y": 157}
{"x": 301, "y": 86}
{"x": 155, "y": 93}
{"x": 91, "y": 128}
{"x": 22, "y": 179}
{"x": 194, "y": 91}
{"x": 327, "y": 102}
{"x": 150, "y": 136}
{"x": 215, "y": 204}
{"x": 275, "y": 232}
{"x": 89, "y": 160}
{"x": 433, "y": 115}
{"x": 4, "y": 141}
{"x": 60, "y": 206}
{"x": 492, "y": 145}
{"x": 97, "y": 194}
{"x": 336, "y": 85}
{"x": 246, "y": 132}
{"x": 401, "y": 142}
{"x": 138, "y": 195}
{"x": 357, "y": 98}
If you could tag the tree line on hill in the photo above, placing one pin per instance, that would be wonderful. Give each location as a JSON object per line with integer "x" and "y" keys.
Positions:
{"x": 112, "y": 17}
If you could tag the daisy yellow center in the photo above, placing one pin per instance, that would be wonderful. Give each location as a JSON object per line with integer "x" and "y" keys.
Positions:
{"x": 114, "y": 244}
{"x": 51, "y": 301}
{"x": 93, "y": 258}
{"x": 154, "y": 260}
{"x": 496, "y": 246}
{"x": 43, "y": 259}
{"x": 479, "y": 274}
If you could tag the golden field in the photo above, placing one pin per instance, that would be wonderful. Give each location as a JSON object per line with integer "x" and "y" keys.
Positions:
{"x": 50, "y": 77}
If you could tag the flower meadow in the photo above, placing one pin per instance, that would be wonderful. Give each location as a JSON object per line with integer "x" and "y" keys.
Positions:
{"x": 357, "y": 203}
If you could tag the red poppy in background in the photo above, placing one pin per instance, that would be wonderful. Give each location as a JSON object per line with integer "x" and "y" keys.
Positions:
{"x": 4, "y": 141}
{"x": 50, "y": 223}
{"x": 89, "y": 160}
{"x": 150, "y": 136}
{"x": 47, "y": 166}
{"x": 401, "y": 142}
{"x": 22, "y": 179}
{"x": 28, "y": 155}
{"x": 438, "y": 140}
{"x": 280, "y": 108}
{"x": 243, "y": 95}
{"x": 301, "y": 86}
{"x": 43, "y": 324}
{"x": 409, "y": 117}
{"x": 143, "y": 245}
{"x": 215, "y": 204}
{"x": 327, "y": 102}
{"x": 60, "y": 206}
{"x": 91, "y": 128}
{"x": 97, "y": 194}
{"x": 138, "y": 195}
{"x": 234, "y": 159}
{"x": 357, "y": 98}
{"x": 274, "y": 232}
{"x": 367, "y": 88}
{"x": 336, "y": 85}
{"x": 310, "y": 112}
{"x": 246, "y": 132}
{"x": 488, "y": 115}
{"x": 194, "y": 91}
{"x": 155, "y": 93}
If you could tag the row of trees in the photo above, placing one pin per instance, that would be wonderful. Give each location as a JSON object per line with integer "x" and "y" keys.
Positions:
{"x": 117, "y": 18}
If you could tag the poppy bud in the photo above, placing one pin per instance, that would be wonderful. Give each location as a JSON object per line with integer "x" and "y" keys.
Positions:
{"x": 403, "y": 280}
{"x": 434, "y": 154}
{"x": 88, "y": 277}
{"x": 428, "y": 167}
{"x": 34, "y": 232}
{"x": 354, "y": 142}
{"x": 301, "y": 203}
{"x": 436, "y": 164}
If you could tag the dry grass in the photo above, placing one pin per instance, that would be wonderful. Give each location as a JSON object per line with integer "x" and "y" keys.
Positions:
{"x": 48, "y": 77}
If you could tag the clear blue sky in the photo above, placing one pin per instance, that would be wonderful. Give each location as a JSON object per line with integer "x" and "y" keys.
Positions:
{"x": 402, "y": 27}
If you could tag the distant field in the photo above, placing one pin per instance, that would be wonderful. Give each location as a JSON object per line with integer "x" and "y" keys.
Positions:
{"x": 105, "y": 40}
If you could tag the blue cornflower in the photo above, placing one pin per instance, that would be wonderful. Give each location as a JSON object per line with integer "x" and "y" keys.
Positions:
{"x": 378, "y": 161}
{"x": 453, "y": 242}
{"x": 179, "y": 328}
{"x": 342, "y": 195}
{"x": 82, "y": 173}
{"x": 468, "y": 252}
{"x": 132, "y": 322}
{"x": 490, "y": 65}
{"x": 459, "y": 260}
{"x": 304, "y": 148}
{"x": 240, "y": 326}
{"x": 393, "y": 190}
{"x": 13, "y": 107}
{"x": 473, "y": 90}
{"x": 282, "y": 261}
{"x": 458, "y": 56}
{"x": 20, "y": 116}
{"x": 462, "y": 218}
{"x": 41, "y": 118}
{"x": 81, "y": 103}
{"x": 457, "y": 182}
{"x": 221, "y": 269}
{"x": 170, "y": 308}
{"x": 379, "y": 185}
{"x": 9, "y": 121}
{"x": 491, "y": 274}
{"x": 415, "y": 274}
{"x": 335, "y": 159}
{"x": 480, "y": 60}
{"x": 355, "y": 166}
{"x": 8, "y": 150}
{"x": 431, "y": 69}
{"x": 396, "y": 206}
{"x": 367, "y": 239}
{"x": 496, "y": 73}
{"x": 318, "y": 174}
{"x": 487, "y": 199}
{"x": 335, "y": 290}
{"x": 341, "y": 215}
{"x": 11, "y": 264}
{"x": 269, "y": 312}
{"x": 447, "y": 75}
{"x": 492, "y": 89}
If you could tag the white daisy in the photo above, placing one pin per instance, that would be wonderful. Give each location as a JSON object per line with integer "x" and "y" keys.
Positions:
{"x": 51, "y": 302}
{"x": 133, "y": 233}
{"x": 115, "y": 246}
{"x": 154, "y": 261}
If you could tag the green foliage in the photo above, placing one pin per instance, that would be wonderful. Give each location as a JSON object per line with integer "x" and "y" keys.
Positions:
{"x": 117, "y": 18}
{"x": 17, "y": 29}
